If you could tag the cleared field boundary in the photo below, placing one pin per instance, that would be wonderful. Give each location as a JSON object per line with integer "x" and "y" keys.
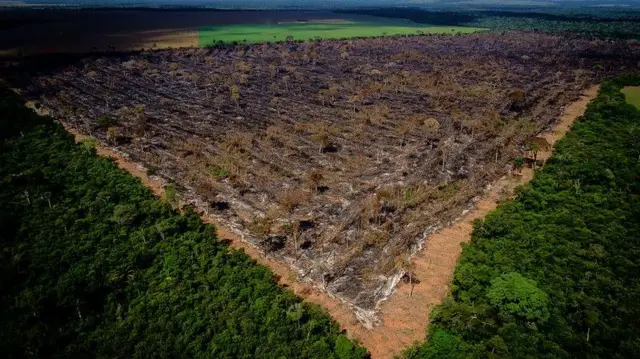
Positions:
{"x": 405, "y": 316}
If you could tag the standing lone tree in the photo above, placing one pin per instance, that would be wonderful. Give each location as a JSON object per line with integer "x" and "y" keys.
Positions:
{"x": 314, "y": 178}
{"x": 535, "y": 145}
{"x": 234, "y": 94}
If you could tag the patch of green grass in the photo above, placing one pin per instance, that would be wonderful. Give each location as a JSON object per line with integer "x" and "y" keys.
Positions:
{"x": 252, "y": 33}
{"x": 632, "y": 95}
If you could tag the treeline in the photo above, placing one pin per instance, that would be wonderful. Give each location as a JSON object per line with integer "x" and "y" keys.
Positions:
{"x": 555, "y": 272}
{"x": 93, "y": 265}
{"x": 595, "y": 23}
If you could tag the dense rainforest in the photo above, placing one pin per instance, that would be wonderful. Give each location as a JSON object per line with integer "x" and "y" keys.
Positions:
{"x": 555, "y": 272}
{"x": 593, "y": 22}
{"x": 93, "y": 265}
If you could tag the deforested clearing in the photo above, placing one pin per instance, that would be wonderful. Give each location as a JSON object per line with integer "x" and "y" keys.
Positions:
{"x": 335, "y": 157}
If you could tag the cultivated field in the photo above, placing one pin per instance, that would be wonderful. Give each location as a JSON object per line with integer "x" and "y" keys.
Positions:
{"x": 337, "y": 158}
{"x": 319, "y": 29}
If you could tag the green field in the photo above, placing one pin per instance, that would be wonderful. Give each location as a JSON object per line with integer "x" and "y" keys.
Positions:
{"x": 252, "y": 33}
{"x": 632, "y": 95}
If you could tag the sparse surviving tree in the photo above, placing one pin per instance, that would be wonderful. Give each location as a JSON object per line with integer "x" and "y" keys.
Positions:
{"x": 262, "y": 227}
{"x": 471, "y": 124}
{"x": 293, "y": 229}
{"x": 322, "y": 139}
{"x": 171, "y": 195}
{"x": 243, "y": 79}
{"x": 379, "y": 113}
{"x": 106, "y": 121}
{"x": 273, "y": 69}
{"x": 536, "y": 145}
{"x": 272, "y": 133}
{"x": 314, "y": 178}
{"x": 195, "y": 77}
{"x": 285, "y": 80}
{"x": 112, "y": 135}
{"x": 234, "y": 94}
{"x": 517, "y": 100}
{"x": 518, "y": 163}
{"x": 332, "y": 92}
{"x": 344, "y": 53}
{"x": 431, "y": 127}
{"x": 322, "y": 96}
{"x": 444, "y": 148}
{"x": 405, "y": 129}
{"x": 215, "y": 80}
{"x": 407, "y": 265}
{"x": 354, "y": 100}
{"x": 534, "y": 148}
{"x": 219, "y": 101}
{"x": 275, "y": 102}
{"x": 140, "y": 119}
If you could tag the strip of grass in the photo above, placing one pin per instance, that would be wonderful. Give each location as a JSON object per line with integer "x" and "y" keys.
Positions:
{"x": 254, "y": 33}
{"x": 632, "y": 95}
{"x": 554, "y": 273}
{"x": 94, "y": 266}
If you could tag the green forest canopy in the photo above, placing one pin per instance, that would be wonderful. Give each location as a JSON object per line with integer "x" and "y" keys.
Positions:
{"x": 555, "y": 272}
{"x": 93, "y": 265}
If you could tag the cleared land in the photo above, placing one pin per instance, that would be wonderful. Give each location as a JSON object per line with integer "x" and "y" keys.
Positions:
{"x": 337, "y": 158}
{"x": 322, "y": 29}
{"x": 632, "y": 95}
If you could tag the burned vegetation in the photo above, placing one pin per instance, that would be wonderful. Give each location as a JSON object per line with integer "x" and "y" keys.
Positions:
{"x": 337, "y": 157}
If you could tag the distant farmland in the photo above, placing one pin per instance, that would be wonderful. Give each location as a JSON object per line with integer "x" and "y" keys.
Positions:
{"x": 319, "y": 29}
{"x": 28, "y": 31}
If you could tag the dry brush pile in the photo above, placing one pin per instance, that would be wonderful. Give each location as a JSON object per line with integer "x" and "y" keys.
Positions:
{"x": 337, "y": 157}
